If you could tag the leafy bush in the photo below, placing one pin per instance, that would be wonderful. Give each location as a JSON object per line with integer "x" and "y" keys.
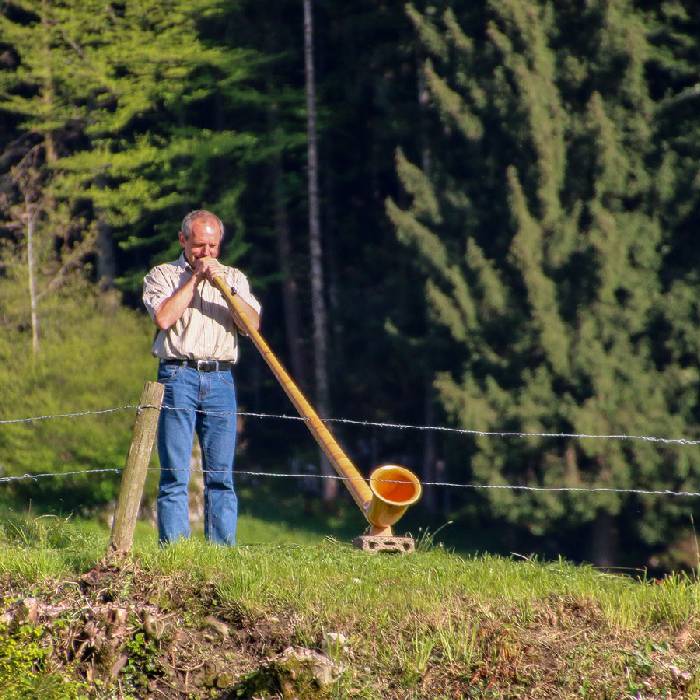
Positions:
{"x": 23, "y": 672}
{"x": 94, "y": 355}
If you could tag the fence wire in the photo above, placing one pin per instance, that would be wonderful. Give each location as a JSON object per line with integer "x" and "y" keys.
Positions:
{"x": 447, "y": 484}
{"x": 75, "y": 414}
{"x": 374, "y": 424}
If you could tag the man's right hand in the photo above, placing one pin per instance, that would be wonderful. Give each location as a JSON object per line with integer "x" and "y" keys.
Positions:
{"x": 208, "y": 268}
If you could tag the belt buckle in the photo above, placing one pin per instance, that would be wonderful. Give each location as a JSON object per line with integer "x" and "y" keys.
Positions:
{"x": 207, "y": 365}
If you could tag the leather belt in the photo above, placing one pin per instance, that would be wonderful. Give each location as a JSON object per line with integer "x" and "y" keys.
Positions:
{"x": 202, "y": 365}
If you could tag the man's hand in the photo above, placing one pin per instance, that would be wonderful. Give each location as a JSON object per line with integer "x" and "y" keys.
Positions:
{"x": 208, "y": 268}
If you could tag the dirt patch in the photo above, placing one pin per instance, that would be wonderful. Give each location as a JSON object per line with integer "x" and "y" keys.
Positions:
{"x": 119, "y": 628}
{"x": 125, "y": 632}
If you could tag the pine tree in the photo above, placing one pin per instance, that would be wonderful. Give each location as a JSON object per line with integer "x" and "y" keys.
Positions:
{"x": 541, "y": 230}
{"x": 118, "y": 94}
{"x": 35, "y": 89}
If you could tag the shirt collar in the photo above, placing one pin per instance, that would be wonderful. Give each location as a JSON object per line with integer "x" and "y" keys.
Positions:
{"x": 182, "y": 262}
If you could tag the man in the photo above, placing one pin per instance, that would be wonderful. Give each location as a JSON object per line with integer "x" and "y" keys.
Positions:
{"x": 197, "y": 345}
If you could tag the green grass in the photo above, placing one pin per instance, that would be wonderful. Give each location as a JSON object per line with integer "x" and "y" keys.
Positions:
{"x": 306, "y": 570}
{"x": 415, "y": 624}
{"x": 52, "y": 546}
{"x": 302, "y": 563}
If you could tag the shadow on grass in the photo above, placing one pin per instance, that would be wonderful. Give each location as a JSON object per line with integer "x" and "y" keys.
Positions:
{"x": 278, "y": 510}
{"x": 300, "y": 511}
{"x": 304, "y": 512}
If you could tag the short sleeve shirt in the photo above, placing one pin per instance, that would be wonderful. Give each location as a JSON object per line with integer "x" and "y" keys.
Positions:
{"x": 206, "y": 330}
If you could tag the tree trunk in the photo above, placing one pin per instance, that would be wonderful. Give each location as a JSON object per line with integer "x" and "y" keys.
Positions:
{"x": 604, "y": 540}
{"x": 429, "y": 448}
{"x": 318, "y": 308}
{"x": 32, "y": 278}
{"x": 290, "y": 292}
{"x": 48, "y": 91}
{"x": 106, "y": 268}
{"x": 335, "y": 328}
{"x": 423, "y": 103}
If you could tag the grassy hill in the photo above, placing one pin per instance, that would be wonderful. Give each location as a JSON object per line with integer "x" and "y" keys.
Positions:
{"x": 310, "y": 617}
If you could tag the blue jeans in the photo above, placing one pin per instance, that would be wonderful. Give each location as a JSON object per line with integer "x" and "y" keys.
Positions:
{"x": 205, "y": 402}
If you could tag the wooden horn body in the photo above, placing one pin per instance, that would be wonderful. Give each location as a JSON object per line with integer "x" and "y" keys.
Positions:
{"x": 391, "y": 488}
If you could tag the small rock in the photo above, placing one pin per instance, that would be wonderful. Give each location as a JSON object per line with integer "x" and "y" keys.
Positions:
{"x": 322, "y": 668}
{"x": 21, "y": 612}
{"x": 333, "y": 642}
{"x": 152, "y": 626}
{"x": 217, "y": 625}
{"x": 295, "y": 673}
{"x": 680, "y": 675}
{"x": 28, "y": 611}
{"x": 118, "y": 665}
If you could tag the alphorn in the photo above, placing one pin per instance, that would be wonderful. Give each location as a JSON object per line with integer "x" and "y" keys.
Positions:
{"x": 391, "y": 488}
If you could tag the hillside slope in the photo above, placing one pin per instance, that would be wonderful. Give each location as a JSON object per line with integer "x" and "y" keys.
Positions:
{"x": 323, "y": 620}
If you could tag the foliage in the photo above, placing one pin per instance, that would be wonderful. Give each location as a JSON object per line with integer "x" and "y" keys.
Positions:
{"x": 84, "y": 366}
{"x": 24, "y": 653}
{"x": 114, "y": 93}
{"x": 540, "y": 234}
{"x": 142, "y": 662}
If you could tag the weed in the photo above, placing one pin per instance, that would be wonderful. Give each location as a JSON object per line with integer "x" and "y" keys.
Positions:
{"x": 414, "y": 657}
{"x": 23, "y": 667}
{"x": 143, "y": 662}
{"x": 459, "y": 646}
{"x": 426, "y": 539}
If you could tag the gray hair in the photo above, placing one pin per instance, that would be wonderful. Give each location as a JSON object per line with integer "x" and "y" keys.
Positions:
{"x": 187, "y": 222}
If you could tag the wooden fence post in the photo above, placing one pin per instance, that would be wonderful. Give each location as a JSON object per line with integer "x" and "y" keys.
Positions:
{"x": 134, "y": 474}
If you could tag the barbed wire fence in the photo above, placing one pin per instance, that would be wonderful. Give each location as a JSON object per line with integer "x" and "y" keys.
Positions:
{"x": 682, "y": 441}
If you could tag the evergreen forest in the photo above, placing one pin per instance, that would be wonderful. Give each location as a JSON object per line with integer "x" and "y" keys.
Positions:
{"x": 473, "y": 215}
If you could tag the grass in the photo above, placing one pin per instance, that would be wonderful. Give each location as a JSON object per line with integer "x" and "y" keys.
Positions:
{"x": 415, "y": 626}
{"x": 52, "y": 546}
{"x": 310, "y": 571}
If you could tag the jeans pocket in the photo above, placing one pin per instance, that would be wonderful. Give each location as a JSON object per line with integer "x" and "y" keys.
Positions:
{"x": 226, "y": 378}
{"x": 167, "y": 372}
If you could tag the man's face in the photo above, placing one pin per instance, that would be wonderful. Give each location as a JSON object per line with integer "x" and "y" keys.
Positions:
{"x": 204, "y": 240}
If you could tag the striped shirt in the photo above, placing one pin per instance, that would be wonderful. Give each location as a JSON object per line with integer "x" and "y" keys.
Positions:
{"x": 206, "y": 330}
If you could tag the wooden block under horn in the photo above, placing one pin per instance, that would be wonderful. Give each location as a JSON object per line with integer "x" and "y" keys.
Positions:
{"x": 381, "y": 543}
